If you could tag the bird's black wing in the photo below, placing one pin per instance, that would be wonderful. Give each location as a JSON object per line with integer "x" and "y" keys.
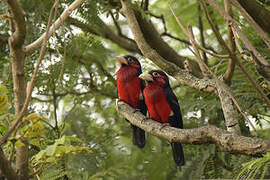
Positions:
{"x": 176, "y": 121}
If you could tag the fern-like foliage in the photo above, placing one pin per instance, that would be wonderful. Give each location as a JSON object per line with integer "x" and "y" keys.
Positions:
{"x": 258, "y": 168}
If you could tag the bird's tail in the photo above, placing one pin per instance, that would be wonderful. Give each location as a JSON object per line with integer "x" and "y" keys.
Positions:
{"x": 138, "y": 136}
{"x": 178, "y": 153}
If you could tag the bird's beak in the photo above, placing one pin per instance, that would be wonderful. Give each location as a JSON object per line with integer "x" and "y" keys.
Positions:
{"x": 122, "y": 60}
{"x": 146, "y": 77}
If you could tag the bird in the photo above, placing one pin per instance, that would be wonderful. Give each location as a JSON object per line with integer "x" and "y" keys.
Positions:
{"x": 163, "y": 106}
{"x": 130, "y": 90}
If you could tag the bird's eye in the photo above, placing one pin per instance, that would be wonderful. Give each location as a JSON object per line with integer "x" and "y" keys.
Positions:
{"x": 155, "y": 74}
{"x": 130, "y": 60}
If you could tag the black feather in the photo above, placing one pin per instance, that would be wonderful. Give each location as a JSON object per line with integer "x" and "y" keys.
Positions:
{"x": 138, "y": 133}
{"x": 175, "y": 121}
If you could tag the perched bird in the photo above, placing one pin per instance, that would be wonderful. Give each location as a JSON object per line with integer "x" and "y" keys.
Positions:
{"x": 130, "y": 90}
{"x": 163, "y": 106}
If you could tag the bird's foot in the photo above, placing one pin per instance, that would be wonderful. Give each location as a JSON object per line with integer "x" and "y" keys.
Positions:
{"x": 144, "y": 119}
{"x": 118, "y": 102}
{"x": 136, "y": 110}
{"x": 164, "y": 125}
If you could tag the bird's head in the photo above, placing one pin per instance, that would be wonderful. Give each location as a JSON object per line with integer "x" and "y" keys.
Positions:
{"x": 129, "y": 61}
{"x": 157, "y": 77}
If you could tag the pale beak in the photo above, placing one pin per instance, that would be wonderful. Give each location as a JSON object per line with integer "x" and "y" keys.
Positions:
{"x": 146, "y": 77}
{"x": 122, "y": 60}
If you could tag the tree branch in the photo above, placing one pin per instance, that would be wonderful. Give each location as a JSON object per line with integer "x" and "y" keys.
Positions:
{"x": 36, "y": 44}
{"x": 107, "y": 33}
{"x": 200, "y": 25}
{"x": 231, "y": 66}
{"x": 209, "y": 134}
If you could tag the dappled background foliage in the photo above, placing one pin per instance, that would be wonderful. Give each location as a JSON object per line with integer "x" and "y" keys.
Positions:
{"x": 76, "y": 91}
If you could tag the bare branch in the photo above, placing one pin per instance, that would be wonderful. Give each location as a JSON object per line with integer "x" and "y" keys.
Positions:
{"x": 36, "y": 44}
{"x": 191, "y": 37}
{"x": 231, "y": 66}
{"x": 200, "y": 25}
{"x": 225, "y": 140}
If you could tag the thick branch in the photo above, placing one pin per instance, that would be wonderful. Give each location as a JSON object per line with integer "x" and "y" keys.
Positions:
{"x": 36, "y": 44}
{"x": 225, "y": 140}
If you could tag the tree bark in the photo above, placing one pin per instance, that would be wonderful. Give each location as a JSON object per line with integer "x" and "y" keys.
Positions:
{"x": 209, "y": 134}
{"x": 17, "y": 57}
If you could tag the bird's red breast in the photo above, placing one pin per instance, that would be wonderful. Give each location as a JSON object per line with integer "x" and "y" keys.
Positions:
{"x": 156, "y": 102}
{"x": 129, "y": 85}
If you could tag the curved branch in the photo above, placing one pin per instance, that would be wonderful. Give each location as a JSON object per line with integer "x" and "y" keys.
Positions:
{"x": 209, "y": 134}
{"x": 36, "y": 44}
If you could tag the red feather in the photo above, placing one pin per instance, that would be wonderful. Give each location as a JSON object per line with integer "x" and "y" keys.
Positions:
{"x": 156, "y": 102}
{"x": 129, "y": 85}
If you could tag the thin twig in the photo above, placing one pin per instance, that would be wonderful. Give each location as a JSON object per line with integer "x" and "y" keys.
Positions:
{"x": 200, "y": 25}
{"x": 231, "y": 66}
{"x": 240, "y": 49}
{"x": 119, "y": 32}
{"x": 197, "y": 54}
{"x": 162, "y": 20}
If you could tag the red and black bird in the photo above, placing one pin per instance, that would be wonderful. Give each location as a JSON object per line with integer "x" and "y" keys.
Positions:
{"x": 163, "y": 106}
{"x": 130, "y": 90}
